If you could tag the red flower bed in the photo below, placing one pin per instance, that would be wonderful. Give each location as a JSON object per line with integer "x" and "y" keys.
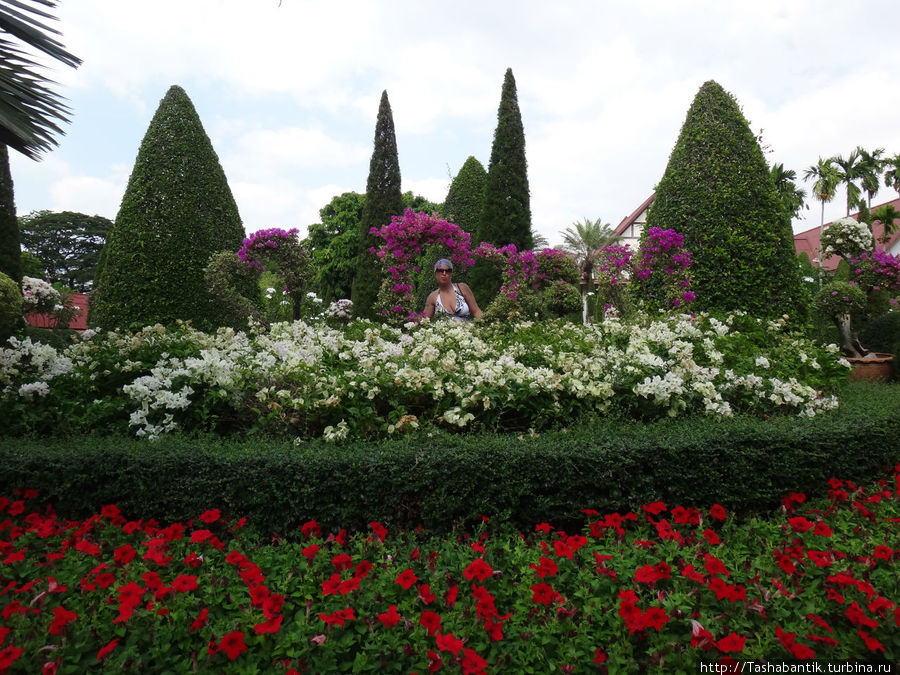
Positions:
{"x": 671, "y": 587}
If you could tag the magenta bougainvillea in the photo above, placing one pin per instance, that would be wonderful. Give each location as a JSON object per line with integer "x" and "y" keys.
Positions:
{"x": 406, "y": 239}
{"x": 283, "y": 250}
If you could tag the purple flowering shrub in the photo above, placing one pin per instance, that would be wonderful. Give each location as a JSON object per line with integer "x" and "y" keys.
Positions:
{"x": 655, "y": 277}
{"x": 536, "y": 284}
{"x": 412, "y": 243}
{"x": 280, "y": 251}
{"x": 874, "y": 285}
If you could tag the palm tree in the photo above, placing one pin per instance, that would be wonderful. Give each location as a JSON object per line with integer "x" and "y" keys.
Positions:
{"x": 891, "y": 166}
{"x": 825, "y": 179}
{"x": 792, "y": 197}
{"x": 849, "y": 171}
{"x": 889, "y": 217}
{"x": 582, "y": 240}
{"x": 29, "y": 110}
{"x": 870, "y": 171}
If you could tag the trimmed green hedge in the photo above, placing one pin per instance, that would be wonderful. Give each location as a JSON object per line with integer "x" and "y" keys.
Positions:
{"x": 442, "y": 481}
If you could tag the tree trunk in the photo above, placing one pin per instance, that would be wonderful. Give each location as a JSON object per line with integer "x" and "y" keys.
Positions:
{"x": 850, "y": 345}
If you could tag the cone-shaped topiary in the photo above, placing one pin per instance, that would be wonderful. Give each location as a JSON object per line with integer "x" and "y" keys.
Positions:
{"x": 465, "y": 197}
{"x": 10, "y": 248}
{"x": 176, "y": 213}
{"x": 383, "y": 200}
{"x": 717, "y": 193}
{"x": 506, "y": 212}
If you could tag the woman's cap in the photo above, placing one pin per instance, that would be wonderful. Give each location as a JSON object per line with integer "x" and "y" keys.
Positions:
{"x": 443, "y": 262}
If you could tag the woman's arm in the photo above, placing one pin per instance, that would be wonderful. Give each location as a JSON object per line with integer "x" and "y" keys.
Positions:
{"x": 429, "y": 305}
{"x": 470, "y": 300}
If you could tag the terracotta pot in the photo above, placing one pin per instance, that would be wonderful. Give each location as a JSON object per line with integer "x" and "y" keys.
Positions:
{"x": 876, "y": 367}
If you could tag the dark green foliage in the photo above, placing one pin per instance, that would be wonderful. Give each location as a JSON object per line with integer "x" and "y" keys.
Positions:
{"x": 506, "y": 211}
{"x": 177, "y": 211}
{"x": 743, "y": 463}
{"x": 383, "y": 200}
{"x": 10, "y": 250}
{"x": 235, "y": 285}
{"x": 68, "y": 245}
{"x": 10, "y": 307}
{"x": 416, "y": 202}
{"x": 334, "y": 244}
{"x": 465, "y": 198}
{"x": 882, "y": 334}
{"x": 717, "y": 192}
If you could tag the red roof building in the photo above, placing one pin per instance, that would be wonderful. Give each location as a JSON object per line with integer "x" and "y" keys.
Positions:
{"x": 807, "y": 241}
{"x": 78, "y": 322}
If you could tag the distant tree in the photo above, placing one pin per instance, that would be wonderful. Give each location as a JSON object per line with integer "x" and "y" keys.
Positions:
{"x": 383, "y": 200}
{"x": 334, "y": 244}
{"x": 29, "y": 109}
{"x": 825, "y": 179}
{"x": 849, "y": 173}
{"x": 506, "y": 212}
{"x": 68, "y": 245}
{"x": 716, "y": 191}
{"x": 10, "y": 250}
{"x": 791, "y": 197}
{"x": 891, "y": 167}
{"x": 465, "y": 197}
{"x": 870, "y": 171}
{"x": 889, "y": 217}
{"x": 418, "y": 203}
{"x": 176, "y": 213}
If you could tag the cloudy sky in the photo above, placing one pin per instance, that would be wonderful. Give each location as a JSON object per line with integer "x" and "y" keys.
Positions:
{"x": 288, "y": 92}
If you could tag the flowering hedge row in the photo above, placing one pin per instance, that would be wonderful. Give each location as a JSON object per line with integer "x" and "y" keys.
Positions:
{"x": 663, "y": 586}
{"x": 307, "y": 380}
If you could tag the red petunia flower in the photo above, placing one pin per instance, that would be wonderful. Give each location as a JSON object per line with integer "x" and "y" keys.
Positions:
{"x": 390, "y": 618}
{"x": 184, "y": 583}
{"x": 273, "y": 625}
{"x": 451, "y": 595}
{"x": 210, "y": 516}
{"x": 425, "y": 594}
{"x": 731, "y": 643}
{"x": 431, "y": 621}
{"x": 363, "y": 567}
{"x": 654, "y": 508}
{"x": 310, "y": 551}
{"x": 544, "y": 594}
{"x": 711, "y": 537}
{"x": 883, "y": 552}
{"x": 717, "y": 512}
{"x": 342, "y": 561}
{"x": 406, "y": 579}
{"x": 448, "y": 643}
{"x": 472, "y": 663}
{"x": 107, "y": 649}
{"x": 715, "y": 566}
{"x": 379, "y": 530}
{"x": 61, "y": 618}
{"x": 201, "y": 620}
{"x": 478, "y": 569}
{"x": 434, "y": 661}
{"x": 233, "y": 644}
{"x": 600, "y": 656}
{"x": 545, "y": 568}
{"x": 339, "y": 618}
{"x": 311, "y": 529}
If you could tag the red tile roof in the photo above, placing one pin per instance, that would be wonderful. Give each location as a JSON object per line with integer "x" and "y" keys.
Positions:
{"x": 79, "y": 322}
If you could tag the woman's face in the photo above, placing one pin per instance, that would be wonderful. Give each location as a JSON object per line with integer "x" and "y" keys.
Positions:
{"x": 443, "y": 273}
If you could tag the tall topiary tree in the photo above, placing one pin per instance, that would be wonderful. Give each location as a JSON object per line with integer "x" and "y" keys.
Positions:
{"x": 465, "y": 198}
{"x": 506, "y": 212}
{"x": 717, "y": 193}
{"x": 383, "y": 200}
{"x": 176, "y": 213}
{"x": 10, "y": 247}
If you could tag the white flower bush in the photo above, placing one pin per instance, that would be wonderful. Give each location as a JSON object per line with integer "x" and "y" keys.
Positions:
{"x": 39, "y": 296}
{"x": 847, "y": 238}
{"x": 364, "y": 379}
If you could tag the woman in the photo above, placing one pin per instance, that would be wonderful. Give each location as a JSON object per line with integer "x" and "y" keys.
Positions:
{"x": 453, "y": 300}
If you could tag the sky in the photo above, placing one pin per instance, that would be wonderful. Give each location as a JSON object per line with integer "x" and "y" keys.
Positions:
{"x": 288, "y": 93}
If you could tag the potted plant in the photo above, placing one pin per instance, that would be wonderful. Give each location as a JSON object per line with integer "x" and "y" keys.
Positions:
{"x": 869, "y": 291}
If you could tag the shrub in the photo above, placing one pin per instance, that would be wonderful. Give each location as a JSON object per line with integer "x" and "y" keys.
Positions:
{"x": 11, "y": 302}
{"x": 177, "y": 211}
{"x": 716, "y": 192}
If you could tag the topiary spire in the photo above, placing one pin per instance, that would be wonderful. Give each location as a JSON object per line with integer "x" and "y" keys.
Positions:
{"x": 717, "y": 193}
{"x": 176, "y": 213}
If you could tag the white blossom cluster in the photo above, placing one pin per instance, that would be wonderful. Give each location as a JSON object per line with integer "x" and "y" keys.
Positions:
{"x": 39, "y": 296}
{"x": 847, "y": 237}
{"x": 315, "y": 380}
